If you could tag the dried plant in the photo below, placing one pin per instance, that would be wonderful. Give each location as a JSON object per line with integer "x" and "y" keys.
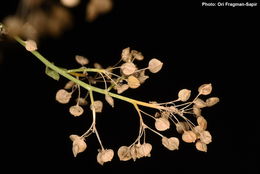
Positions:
{"x": 124, "y": 75}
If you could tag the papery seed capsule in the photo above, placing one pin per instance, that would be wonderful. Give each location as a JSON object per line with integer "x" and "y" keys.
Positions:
{"x": 171, "y": 143}
{"x": 121, "y": 88}
{"x": 137, "y": 55}
{"x": 128, "y": 68}
{"x": 124, "y": 153}
{"x": 30, "y": 45}
{"x": 76, "y": 110}
{"x": 184, "y": 95}
{"x": 155, "y": 65}
{"x": 105, "y": 155}
{"x": 78, "y": 146}
{"x": 63, "y": 96}
{"x": 205, "y": 137}
{"x": 81, "y": 60}
{"x": 109, "y": 100}
{"x": 162, "y": 124}
{"x": 82, "y": 101}
{"x": 69, "y": 85}
{"x": 202, "y": 122}
{"x": 205, "y": 89}
{"x": 145, "y": 150}
{"x": 199, "y": 103}
{"x": 70, "y": 3}
{"x": 126, "y": 56}
{"x": 201, "y": 146}
{"x": 196, "y": 111}
{"x": 98, "y": 105}
{"x": 181, "y": 127}
{"x": 212, "y": 101}
{"x": 133, "y": 82}
{"x": 189, "y": 137}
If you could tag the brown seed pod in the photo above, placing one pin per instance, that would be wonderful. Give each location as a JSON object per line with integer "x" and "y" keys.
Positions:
{"x": 202, "y": 122}
{"x": 184, "y": 95}
{"x": 104, "y": 156}
{"x": 76, "y": 110}
{"x": 124, "y": 153}
{"x": 69, "y": 85}
{"x": 81, "y": 60}
{"x": 212, "y": 101}
{"x": 196, "y": 111}
{"x": 137, "y": 55}
{"x": 63, "y": 96}
{"x": 171, "y": 143}
{"x": 126, "y": 56}
{"x": 155, "y": 65}
{"x": 30, "y": 45}
{"x": 189, "y": 137}
{"x": 109, "y": 100}
{"x": 201, "y": 146}
{"x": 205, "y": 137}
{"x": 82, "y": 101}
{"x": 70, "y": 3}
{"x": 181, "y": 127}
{"x": 199, "y": 103}
{"x": 145, "y": 150}
{"x": 162, "y": 124}
{"x": 128, "y": 68}
{"x": 78, "y": 146}
{"x": 121, "y": 88}
{"x": 205, "y": 89}
{"x": 98, "y": 105}
{"x": 133, "y": 82}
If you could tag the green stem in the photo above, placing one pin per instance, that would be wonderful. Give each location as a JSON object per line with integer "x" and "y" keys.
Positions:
{"x": 83, "y": 84}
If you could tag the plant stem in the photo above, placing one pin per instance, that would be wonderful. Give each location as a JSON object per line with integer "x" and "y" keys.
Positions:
{"x": 88, "y": 87}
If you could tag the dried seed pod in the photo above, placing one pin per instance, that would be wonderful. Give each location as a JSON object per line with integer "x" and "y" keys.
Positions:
{"x": 76, "y": 110}
{"x": 134, "y": 152}
{"x": 98, "y": 105}
{"x": 196, "y": 111}
{"x": 202, "y": 122}
{"x": 201, "y": 146}
{"x": 145, "y": 150}
{"x": 199, "y": 103}
{"x": 97, "y": 66}
{"x": 212, "y": 101}
{"x": 124, "y": 153}
{"x": 142, "y": 77}
{"x": 171, "y": 143}
{"x": 184, "y": 95}
{"x": 155, "y": 65}
{"x": 121, "y": 88}
{"x": 63, "y": 96}
{"x": 126, "y": 56}
{"x": 30, "y": 45}
{"x": 205, "y": 89}
{"x": 74, "y": 137}
{"x": 197, "y": 130}
{"x": 189, "y": 137}
{"x": 205, "y": 137}
{"x": 81, "y": 60}
{"x": 70, "y": 3}
{"x": 109, "y": 100}
{"x": 128, "y": 68}
{"x": 78, "y": 146}
{"x": 137, "y": 55}
{"x": 181, "y": 127}
{"x": 162, "y": 124}
{"x": 133, "y": 82}
{"x": 82, "y": 101}
{"x": 105, "y": 155}
{"x": 69, "y": 85}
{"x": 165, "y": 114}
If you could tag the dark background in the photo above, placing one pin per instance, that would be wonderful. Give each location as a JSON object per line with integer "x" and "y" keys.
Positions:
{"x": 197, "y": 45}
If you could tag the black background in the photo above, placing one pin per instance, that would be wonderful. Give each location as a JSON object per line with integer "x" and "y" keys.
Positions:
{"x": 197, "y": 45}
